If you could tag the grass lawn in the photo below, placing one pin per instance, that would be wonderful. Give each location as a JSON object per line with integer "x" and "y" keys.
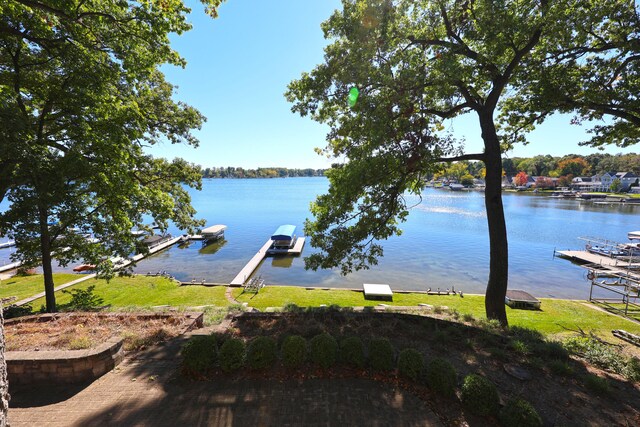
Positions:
{"x": 26, "y": 286}
{"x": 143, "y": 291}
{"x": 556, "y": 316}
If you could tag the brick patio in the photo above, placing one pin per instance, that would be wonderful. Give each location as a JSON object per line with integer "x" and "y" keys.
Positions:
{"x": 147, "y": 391}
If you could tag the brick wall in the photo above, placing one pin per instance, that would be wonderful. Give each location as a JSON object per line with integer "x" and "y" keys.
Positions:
{"x": 68, "y": 367}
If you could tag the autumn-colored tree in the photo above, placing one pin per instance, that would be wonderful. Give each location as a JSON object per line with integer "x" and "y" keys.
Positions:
{"x": 521, "y": 178}
{"x": 543, "y": 182}
{"x": 576, "y": 166}
{"x": 565, "y": 180}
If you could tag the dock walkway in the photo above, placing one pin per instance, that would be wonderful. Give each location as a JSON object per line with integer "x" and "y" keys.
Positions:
{"x": 245, "y": 273}
{"x": 603, "y": 263}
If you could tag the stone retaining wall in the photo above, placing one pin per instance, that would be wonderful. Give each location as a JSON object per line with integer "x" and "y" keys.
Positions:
{"x": 63, "y": 367}
{"x": 75, "y": 366}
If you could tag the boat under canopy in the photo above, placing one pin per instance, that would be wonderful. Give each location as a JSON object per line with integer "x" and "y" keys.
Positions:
{"x": 284, "y": 233}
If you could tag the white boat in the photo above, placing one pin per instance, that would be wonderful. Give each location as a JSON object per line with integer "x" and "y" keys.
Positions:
{"x": 7, "y": 244}
{"x": 456, "y": 187}
{"x": 633, "y": 235}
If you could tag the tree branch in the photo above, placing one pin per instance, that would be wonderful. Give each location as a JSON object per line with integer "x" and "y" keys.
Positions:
{"x": 477, "y": 156}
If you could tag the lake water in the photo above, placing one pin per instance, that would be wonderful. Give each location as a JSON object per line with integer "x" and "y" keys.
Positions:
{"x": 444, "y": 242}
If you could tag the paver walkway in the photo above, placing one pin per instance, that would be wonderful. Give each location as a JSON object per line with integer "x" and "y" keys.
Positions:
{"x": 148, "y": 391}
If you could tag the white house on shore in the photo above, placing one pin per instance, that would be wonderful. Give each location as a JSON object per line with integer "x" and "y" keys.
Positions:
{"x": 602, "y": 183}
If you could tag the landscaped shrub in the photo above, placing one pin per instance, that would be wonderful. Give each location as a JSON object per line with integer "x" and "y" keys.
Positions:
{"x": 232, "y": 354}
{"x": 261, "y": 353}
{"x": 410, "y": 363}
{"x": 352, "y": 352}
{"x": 441, "y": 377}
{"x": 480, "y": 395}
{"x": 294, "y": 351}
{"x": 552, "y": 350}
{"x": 82, "y": 299}
{"x": 323, "y": 350}
{"x": 17, "y": 311}
{"x": 519, "y": 413}
{"x": 292, "y": 308}
{"x": 604, "y": 356}
{"x": 381, "y": 354}
{"x": 199, "y": 354}
{"x": 632, "y": 370}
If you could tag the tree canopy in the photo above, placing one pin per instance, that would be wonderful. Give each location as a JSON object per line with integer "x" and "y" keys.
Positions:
{"x": 81, "y": 95}
{"x": 416, "y": 64}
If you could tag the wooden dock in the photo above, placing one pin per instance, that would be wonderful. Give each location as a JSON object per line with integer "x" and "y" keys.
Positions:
{"x": 605, "y": 261}
{"x": 603, "y": 265}
{"x": 253, "y": 263}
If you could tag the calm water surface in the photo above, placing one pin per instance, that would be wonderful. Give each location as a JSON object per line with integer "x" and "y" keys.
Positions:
{"x": 444, "y": 242}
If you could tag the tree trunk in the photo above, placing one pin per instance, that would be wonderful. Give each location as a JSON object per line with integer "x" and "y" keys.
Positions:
{"x": 498, "y": 247}
{"x": 4, "y": 382}
{"x": 45, "y": 248}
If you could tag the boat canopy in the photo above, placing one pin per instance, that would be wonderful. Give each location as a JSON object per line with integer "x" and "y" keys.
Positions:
{"x": 284, "y": 232}
{"x": 633, "y": 235}
{"x": 214, "y": 229}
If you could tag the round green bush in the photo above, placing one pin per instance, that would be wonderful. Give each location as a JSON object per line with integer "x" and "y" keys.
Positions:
{"x": 294, "y": 351}
{"x": 232, "y": 354}
{"x": 519, "y": 413}
{"x": 324, "y": 349}
{"x": 261, "y": 353}
{"x": 480, "y": 395}
{"x": 352, "y": 352}
{"x": 441, "y": 377}
{"x": 410, "y": 363}
{"x": 199, "y": 354}
{"x": 381, "y": 354}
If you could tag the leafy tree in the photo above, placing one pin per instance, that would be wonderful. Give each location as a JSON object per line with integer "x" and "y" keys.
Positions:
{"x": 415, "y": 63}
{"x": 575, "y": 166}
{"x": 616, "y": 186}
{"x": 593, "y": 72}
{"x": 467, "y": 180}
{"x": 542, "y": 183}
{"x": 509, "y": 167}
{"x": 521, "y": 178}
{"x": 565, "y": 180}
{"x": 80, "y": 96}
{"x": 456, "y": 171}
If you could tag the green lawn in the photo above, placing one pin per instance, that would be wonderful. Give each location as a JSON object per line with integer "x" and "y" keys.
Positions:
{"x": 26, "y": 286}
{"x": 143, "y": 291}
{"x": 556, "y": 316}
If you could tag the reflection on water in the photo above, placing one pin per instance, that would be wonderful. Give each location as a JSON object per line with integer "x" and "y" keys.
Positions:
{"x": 280, "y": 261}
{"x": 212, "y": 247}
{"x": 444, "y": 242}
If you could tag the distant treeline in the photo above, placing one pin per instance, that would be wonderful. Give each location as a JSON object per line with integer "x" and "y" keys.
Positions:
{"x": 231, "y": 172}
{"x": 571, "y": 165}
{"x": 577, "y": 165}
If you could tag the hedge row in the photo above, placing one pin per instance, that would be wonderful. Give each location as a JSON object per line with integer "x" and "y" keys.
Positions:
{"x": 478, "y": 394}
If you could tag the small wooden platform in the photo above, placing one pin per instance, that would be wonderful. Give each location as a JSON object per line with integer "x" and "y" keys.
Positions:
{"x": 521, "y": 299}
{"x": 377, "y": 291}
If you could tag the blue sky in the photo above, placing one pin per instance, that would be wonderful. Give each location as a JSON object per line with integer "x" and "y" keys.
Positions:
{"x": 238, "y": 67}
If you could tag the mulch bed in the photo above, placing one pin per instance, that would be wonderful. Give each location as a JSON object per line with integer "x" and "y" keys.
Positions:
{"x": 76, "y": 331}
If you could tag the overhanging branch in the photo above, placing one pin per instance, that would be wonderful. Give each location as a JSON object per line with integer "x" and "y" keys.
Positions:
{"x": 477, "y": 156}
